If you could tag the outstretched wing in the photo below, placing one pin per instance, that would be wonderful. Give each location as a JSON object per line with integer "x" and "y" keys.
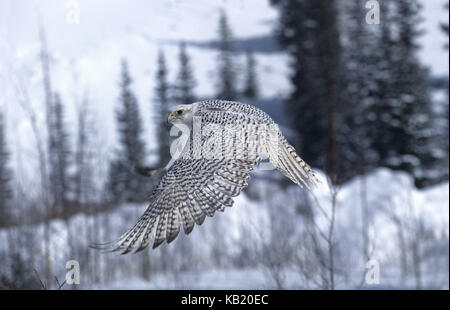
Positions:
{"x": 189, "y": 191}
{"x": 270, "y": 138}
{"x": 284, "y": 157}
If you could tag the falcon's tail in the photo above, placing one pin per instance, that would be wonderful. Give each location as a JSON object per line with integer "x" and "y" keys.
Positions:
{"x": 292, "y": 166}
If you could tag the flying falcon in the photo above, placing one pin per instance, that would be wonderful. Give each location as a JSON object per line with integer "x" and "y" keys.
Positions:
{"x": 221, "y": 142}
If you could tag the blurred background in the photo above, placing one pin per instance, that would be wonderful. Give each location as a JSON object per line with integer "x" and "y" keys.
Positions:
{"x": 360, "y": 88}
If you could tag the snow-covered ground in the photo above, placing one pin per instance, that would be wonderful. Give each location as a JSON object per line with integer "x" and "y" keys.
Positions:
{"x": 389, "y": 194}
{"x": 393, "y": 204}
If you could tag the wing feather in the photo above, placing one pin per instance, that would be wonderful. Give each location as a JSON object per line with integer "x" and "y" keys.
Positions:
{"x": 173, "y": 225}
{"x": 160, "y": 230}
{"x": 184, "y": 198}
{"x": 196, "y": 211}
{"x": 186, "y": 218}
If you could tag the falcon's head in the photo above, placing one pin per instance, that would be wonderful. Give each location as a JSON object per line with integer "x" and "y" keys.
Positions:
{"x": 181, "y": 114}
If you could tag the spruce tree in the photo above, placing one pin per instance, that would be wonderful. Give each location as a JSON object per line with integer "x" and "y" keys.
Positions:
{"x": 5, "y": 177}
{"x": 124, "y": 184}
{"x": 305, "y": 103}
{"x": 184, "y": 87}
{"x": 409, "y": 121}
{"x": 251, "y": 83}
{"x": 309, "y": 31}
{"x": 379, "y": 112}
{"x": 162, "y": 110}
{"x": 59, "y": 167}
{"x": 226, "y": 88}
{"x": 83, "y": 179}
{"x": 365, "y": 77}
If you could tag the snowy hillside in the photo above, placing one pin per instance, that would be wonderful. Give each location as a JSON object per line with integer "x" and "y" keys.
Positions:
{"x": 428, "y": 209}
{"x": 424, "y": 212}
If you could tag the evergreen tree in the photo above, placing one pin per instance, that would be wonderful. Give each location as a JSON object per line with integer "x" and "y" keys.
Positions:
{"x": 226, "y": 88}
{"x": 59, "y": 166}
{"x": 308, "y": 30}
{"x": 444, "y": 135}
{"x": 382, "y": 109}
{"x": 365, "y": 79}
{"x": 251, "y": 83}
{"x": 5, "y": 177}
{"x": 184, "y": 87}
{"x": 83, "y": 178}
{"x": 405, "y": 118}
{"x": 124, "y": 184}
{"x": 386, "y": 118}
{"x": 304, "y": 105}
{"x": 162, "y": 109}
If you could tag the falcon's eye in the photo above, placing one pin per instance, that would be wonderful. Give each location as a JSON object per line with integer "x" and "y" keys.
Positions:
{"x": 179, "y": 112}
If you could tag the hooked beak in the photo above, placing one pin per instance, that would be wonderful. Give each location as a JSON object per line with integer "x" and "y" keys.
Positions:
{"x": 171, "y": 117}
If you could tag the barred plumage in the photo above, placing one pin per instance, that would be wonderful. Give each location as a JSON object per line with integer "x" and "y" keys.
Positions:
{"x": 225, "y": 142}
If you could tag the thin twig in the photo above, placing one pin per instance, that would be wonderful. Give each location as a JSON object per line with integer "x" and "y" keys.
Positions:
{"x": 39, "y": 278}
{"x": 59, "y": 285}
